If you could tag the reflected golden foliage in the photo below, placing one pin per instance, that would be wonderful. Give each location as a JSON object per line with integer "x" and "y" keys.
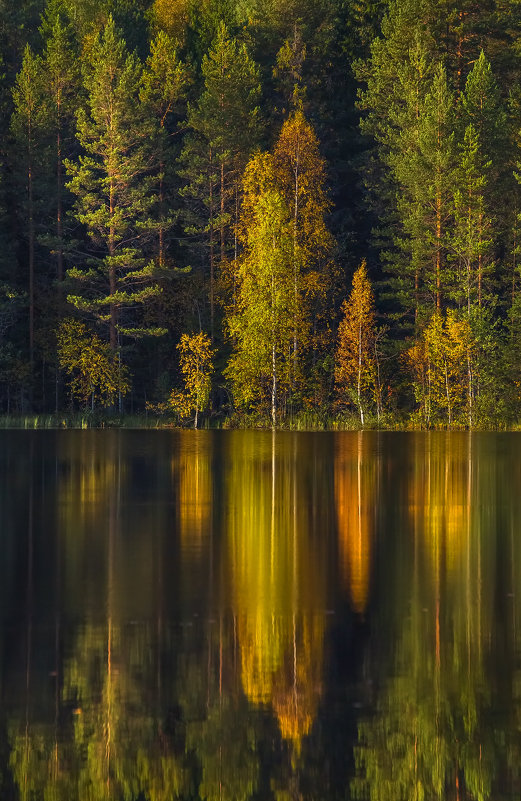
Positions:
{"x": 191, "y": 469}
{"x": 355, "y": 499}
{"x": 92, "y": 472}
{"x": 440, "y": 502}
{"x": 278, "y": 583}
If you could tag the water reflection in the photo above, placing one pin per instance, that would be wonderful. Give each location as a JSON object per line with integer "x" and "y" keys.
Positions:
{"x": 356, "y": 485}
{"x": 434, "y": 732}
{"x": 278, "y": 572}
{"x": 233, "y": 615}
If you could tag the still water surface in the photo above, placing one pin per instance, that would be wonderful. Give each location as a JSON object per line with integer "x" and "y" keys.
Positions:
{"x": 241, "y": 615}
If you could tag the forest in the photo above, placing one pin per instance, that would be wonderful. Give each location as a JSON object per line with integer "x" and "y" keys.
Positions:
{"x": 262, "y": 212}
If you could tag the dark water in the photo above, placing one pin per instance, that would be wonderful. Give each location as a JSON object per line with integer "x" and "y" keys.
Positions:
{"x": 230, "y": 615}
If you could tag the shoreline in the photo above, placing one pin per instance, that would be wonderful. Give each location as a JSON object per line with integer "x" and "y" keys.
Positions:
{"x": 71, "y": 422}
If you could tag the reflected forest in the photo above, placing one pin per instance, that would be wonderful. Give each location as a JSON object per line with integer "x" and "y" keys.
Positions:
{"x": 296, "y": 213}
{"x": 244, "y": 615}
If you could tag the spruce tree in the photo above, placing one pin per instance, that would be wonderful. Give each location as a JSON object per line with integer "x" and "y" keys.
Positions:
{"x": 398, "y": 77}
{"x": 225, "y": 127}
{"x": 163, "y": 92}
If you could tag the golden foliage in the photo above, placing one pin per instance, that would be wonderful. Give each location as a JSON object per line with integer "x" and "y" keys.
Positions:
{"x": 192, "y": 469}
{"x": 300, "y": 175}
{"x": 196, "y": 356}
{"x": 293, "y": 253}
{"x": 355, "y": 367}
{"x": 95, "y": 372}
{"x": 441, "y": 365}
{"x": 278, "y": 585}
{"x": 262, "y": 324}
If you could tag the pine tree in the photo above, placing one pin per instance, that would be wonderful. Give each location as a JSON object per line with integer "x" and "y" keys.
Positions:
{"x": 28, "y": 123}
{"x": 471, "y": 240}
{"x": 436, "y": 163}
{"x": 112, "y": 190}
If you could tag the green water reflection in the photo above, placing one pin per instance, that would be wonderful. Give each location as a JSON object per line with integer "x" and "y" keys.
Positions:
{"x": 247, "y": 615}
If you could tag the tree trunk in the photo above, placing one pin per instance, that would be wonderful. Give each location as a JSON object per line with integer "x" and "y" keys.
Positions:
{"x": 438, "y": 251}
{"x": 223, "y": 250}
{"x": 112, "y": 272}
{"x": 59, "y": 210}
{"x": 447, "y": 390}
{"x": 273, "y": 353}
{"x": 359, "y": 378}
{"x": 212, "y": 253}
{"x": 273, "y": 387}
{"x": 295, "y": 265}
{"x": 30, "y": 214}
{"x": 470, "y": 389}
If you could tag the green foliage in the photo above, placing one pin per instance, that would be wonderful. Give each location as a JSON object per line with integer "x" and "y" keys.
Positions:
{"x": 224, "y": 129}
{"x": 128, "y": 128}
{"x": 112, "y": 189}
{"x": 164, "y": 86}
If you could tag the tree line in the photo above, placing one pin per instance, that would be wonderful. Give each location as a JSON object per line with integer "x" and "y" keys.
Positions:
{"x": 261, "y": 212}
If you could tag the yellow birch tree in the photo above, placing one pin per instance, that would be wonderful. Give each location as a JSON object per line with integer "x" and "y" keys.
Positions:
{"x": 300, "y": 174}
{"x": 261, "y": 324}
{"x": 95, "y": 372}
{"x": 442, "y": 362}
{"x": 196, "y": 357}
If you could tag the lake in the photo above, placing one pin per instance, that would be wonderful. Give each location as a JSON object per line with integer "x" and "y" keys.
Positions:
{"x": 248, "y": 615}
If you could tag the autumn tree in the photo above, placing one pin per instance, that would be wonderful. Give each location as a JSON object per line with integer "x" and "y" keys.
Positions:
{"x": 300, "y": 175}
{"x": 442, "y": 364}
{"x": 95, "y": 372}
{"x": 196, "y": 361}
{"x": 171, "y": 16}
{"x": 261, "y": 325}
{"x": 356, "y": 358}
